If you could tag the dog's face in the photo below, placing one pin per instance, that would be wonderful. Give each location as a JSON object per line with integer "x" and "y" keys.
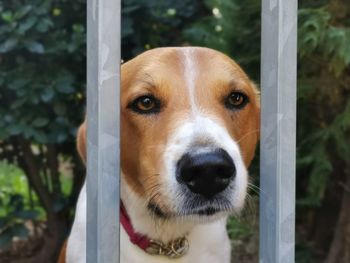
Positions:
{"x": 189, "y": 127}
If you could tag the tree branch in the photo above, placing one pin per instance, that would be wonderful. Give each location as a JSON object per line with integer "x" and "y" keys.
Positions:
{"x": 33, "y": 175}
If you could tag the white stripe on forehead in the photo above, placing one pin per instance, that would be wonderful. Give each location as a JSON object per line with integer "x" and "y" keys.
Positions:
{"x": 190, "y": 72}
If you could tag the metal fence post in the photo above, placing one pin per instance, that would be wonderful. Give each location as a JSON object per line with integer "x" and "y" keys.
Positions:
{"x": 278, "y": 131}
{"x": 103, "y": 73}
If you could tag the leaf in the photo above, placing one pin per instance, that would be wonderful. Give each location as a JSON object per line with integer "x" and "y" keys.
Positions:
{"x": 59, "y": 108}
{"x": 16, "y": 200}
{"x": 35, "y": 47}
{"x": 61, "y": 137}
{"x": 40, "y": 122}
{"x": 8, "y": 45}
{"x": 29, "y": 132}
{"x": 64, "y": 84}
{"x": 7, "y": 16}
{"x": 27, "y": 24}
{"x": 8, "y": 118}
{"x": 319, "y": 175}
{"x": 44, "y": 25}
{"x": 18, "y": 103}
{"x": 14, "y": 129}
{"x": 27, "y": 215}
{"x": 18, "y": 84}
{"x": 130, "y": 9}
{"x": 40, "y": 137}
{"x": 47, "y": 94}
{"x": 127, "y": 29}
{"x": 78, "y": 28}
{"x": 22, "y": 11}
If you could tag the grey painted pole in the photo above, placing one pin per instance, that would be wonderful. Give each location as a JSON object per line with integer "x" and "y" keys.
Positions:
{"x": 278, "y": 131}
{"x": 103, "y": 73}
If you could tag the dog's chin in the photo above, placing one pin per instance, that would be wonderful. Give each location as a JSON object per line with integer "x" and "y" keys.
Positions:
{"x": 206, "y": 215}
{"x": 196, "y": 213}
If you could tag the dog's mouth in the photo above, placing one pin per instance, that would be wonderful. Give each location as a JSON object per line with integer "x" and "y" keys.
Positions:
{"x": 200, "y": 209}
{"x": 207, "y": 208}
{"x": 209, "y": 211}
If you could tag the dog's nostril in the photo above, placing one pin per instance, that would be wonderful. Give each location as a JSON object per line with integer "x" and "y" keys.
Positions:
{"x": 206, "y": 173}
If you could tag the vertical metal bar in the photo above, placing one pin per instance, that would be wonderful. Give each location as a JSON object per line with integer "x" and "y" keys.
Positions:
{"x": 103, "y": 74}
{"x": 278, "y": 131}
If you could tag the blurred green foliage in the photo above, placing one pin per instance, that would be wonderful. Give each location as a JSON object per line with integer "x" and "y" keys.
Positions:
{"x": 42, "y": 86}
{"x": 233, "y": 27}
{"x": 16, "y": 203}
{"x": 42, "y": 69}
{"x": 19, "y": 203}
{"x": 148, "y": 24}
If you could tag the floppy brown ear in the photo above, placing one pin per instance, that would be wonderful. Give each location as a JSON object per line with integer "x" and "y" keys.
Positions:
{"x": 81, "y": 141}
{"x": 62, "y": 257}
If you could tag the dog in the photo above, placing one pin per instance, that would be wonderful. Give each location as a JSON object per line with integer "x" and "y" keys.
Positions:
{"x": 189, "y": 128}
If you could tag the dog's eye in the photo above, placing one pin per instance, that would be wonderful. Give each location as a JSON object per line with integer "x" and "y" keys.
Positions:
{"x": 146, "y": 104}
{"x": 236, "y": 100}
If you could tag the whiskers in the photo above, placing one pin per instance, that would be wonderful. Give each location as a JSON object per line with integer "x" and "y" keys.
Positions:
{"x": 256, "y": 189}
{"x": 249, "y": 214}
{"x": 250, "y": 211}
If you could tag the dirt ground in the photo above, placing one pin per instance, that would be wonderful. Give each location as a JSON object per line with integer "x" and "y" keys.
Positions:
{"x": 21, "y": 251}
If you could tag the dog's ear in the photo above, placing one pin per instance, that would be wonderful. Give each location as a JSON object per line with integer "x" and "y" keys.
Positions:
{"x": 81, "y": 141}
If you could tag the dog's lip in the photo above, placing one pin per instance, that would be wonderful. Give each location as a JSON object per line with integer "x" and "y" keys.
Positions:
{"x": 208, "y": 207}
{"x": 208, "y": 211}
{"x": 204, "y": 211}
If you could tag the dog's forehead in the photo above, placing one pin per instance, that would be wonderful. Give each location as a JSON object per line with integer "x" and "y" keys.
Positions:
{"x": 178, "y": 64}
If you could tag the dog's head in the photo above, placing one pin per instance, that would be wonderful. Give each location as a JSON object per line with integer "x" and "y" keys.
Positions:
{"x": 189, "y": 127}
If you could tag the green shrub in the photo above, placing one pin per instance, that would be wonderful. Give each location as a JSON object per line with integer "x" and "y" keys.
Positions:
{"x": 17, "y": 204}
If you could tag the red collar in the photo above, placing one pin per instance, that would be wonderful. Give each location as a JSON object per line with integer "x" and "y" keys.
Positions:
{"x": 137, "y": 239}
{"x": 174, "y": 249}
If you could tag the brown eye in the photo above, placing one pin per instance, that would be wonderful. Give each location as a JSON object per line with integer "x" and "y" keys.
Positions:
{"x": 236, "y": 100}
{"x": 146, "y": 104}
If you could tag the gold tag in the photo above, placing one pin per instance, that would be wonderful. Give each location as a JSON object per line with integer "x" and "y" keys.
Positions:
{"x": 174, "y": 249}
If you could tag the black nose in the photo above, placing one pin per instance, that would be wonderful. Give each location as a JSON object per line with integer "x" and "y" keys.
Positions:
{"x": 207, "y": 173}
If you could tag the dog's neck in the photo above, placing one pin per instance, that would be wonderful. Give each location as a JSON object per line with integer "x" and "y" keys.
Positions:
{"x": 145, "y": 223}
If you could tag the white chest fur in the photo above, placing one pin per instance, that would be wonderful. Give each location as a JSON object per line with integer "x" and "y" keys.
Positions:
{"x": 209, "y": 242}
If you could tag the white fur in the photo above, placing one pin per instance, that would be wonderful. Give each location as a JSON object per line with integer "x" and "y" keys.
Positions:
{"x": 76, "y": 245}
{"x": 190, "y": 71}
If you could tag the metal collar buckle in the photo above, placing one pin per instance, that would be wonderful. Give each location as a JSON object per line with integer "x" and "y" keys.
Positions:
{"x": 174, "y": 249}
